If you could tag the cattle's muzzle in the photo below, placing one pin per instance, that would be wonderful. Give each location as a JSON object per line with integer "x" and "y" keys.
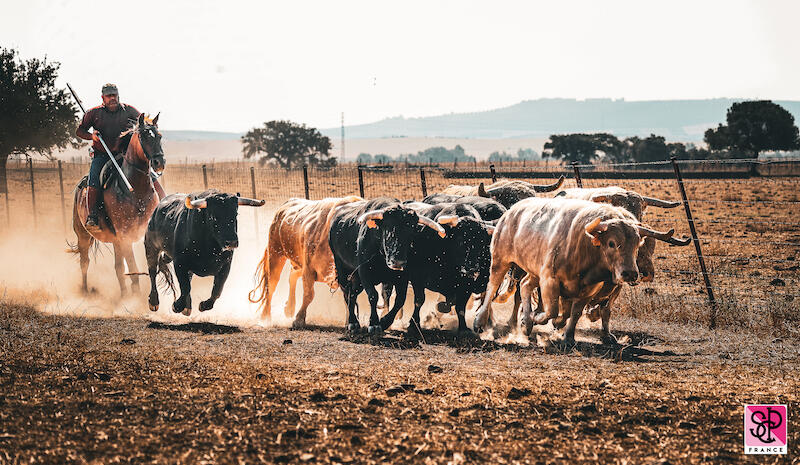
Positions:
{"x": 630, "y": 276}
{"x": 396, "y": 265}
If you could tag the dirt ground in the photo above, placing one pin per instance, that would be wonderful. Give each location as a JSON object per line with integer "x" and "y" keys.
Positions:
{"x": 131, "y": 390}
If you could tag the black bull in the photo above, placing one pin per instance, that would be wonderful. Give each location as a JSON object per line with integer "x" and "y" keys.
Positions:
{"x": 198, "y": 234}
{"x": 370, "y": 242}
{"x": 455, "y": 266}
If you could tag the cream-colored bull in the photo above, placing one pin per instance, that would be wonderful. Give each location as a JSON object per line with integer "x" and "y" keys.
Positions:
{"x": 570, "y": 249}
{"x": 298, "y": 233}
{"x": 506, "y": 191}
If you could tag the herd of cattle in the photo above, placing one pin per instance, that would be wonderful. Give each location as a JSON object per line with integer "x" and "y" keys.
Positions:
{"x": 576, "y": 250}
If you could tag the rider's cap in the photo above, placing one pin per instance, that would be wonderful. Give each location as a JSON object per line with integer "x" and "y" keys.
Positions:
{"x": 110, "y": 89}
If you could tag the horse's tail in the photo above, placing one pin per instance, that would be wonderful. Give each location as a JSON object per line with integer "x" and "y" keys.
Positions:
{"x": 166, "y": 281}
{"x": 261, "y": 290}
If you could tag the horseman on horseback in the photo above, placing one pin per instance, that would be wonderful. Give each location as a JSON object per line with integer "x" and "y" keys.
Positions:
{"x": 110, "y": 119}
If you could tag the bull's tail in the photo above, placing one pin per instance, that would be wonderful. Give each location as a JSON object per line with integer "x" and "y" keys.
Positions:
{"x": 165, "y": 274}
{"x": 261, "y": 290}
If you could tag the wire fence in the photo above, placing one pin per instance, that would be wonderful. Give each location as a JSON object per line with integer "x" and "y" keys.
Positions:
{"x": 745, "y": 213}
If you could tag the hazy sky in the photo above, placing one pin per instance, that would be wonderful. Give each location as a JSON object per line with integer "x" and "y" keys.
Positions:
{"x": 229, "y": 66}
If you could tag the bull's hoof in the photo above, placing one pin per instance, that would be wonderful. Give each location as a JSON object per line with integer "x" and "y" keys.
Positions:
{"x": 353, "y": 328}
{"x": 465, "y": 333}
{"x": 153, "y": 308}
{"x": 541, "y": 318}
{"x": 386, "y": 321}
{"x": 206, "y": 305}
{"x": 609, "y": 339}
{"x": 375, "y": 331}
{"x": 443, "y": 307}
{"x": 413, "y": 333}
{"x": 187, "y": 311}
{"x": 177, "y": 307}
{"x": 526, "y": 325}
{"x": 298, "y": 323}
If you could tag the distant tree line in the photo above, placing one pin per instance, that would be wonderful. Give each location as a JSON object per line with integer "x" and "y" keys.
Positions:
{"x": 752, "y": 128}
{"x": 444, "y": 155}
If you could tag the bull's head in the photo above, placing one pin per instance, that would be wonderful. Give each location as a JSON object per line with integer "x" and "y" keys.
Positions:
{"x": 221, "y": 211}
{"x": 633, "y": 202}
{"x": 618, "y": 241}
{"x": 468, "y": 246}
{"x": 644, "y": 260}
{"x": 396, "y": 226}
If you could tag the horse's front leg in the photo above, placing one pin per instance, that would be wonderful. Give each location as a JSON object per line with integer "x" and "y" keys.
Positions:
{"x": 119, "y": 268}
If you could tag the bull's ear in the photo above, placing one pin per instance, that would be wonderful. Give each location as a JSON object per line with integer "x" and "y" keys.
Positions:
{"x": 602, "y": 198}
{"x": 490, "y": 230}
{"x": 188, "y": 202}
{"x": 482, "y": 191}
{"x": 594, "y": 229}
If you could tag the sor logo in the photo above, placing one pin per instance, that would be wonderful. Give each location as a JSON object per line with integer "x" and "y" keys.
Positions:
{"x": 765, "y": 429}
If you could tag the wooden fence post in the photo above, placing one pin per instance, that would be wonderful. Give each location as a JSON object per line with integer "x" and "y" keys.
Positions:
{"x": 494, "y": 174}
{"x": 305, "y": 180}
{"x": 205, "y": 178}
{"x": 63, "y": 206}
{"x": 255, "y": 196}
{"x": 423, "y": 183}
{"x": 577, "y": 170}
{"x": 709, "y": 290}
{"x": 360, "y": 182}
{"x": 33, "y": 195}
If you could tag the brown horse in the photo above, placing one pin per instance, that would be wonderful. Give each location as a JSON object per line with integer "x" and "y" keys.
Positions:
{"x": 126, "y": 213}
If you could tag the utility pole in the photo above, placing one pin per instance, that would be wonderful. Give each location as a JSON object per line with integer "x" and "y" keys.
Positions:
{"x": 342, "y": 157}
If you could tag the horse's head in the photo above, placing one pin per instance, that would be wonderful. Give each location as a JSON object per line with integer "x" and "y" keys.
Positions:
{"x": 149, "y": 138}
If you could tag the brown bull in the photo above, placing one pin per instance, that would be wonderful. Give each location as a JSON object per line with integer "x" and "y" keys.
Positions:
{"x": 298, "y": 233}
{"x": 568, "y": 248}
{"x": 506, "y": 191}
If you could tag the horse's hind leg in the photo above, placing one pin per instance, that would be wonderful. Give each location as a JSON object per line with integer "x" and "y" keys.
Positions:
{"x": 84, "y": 243}
{"x": 132, "y": 268}
{"x": 119, "y": 268}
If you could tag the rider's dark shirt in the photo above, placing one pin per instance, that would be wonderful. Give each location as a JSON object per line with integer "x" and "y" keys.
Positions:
{"x": 110, "y": 124}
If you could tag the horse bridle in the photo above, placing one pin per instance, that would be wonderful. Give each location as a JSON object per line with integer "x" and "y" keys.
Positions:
{"x": 147, "y": 156}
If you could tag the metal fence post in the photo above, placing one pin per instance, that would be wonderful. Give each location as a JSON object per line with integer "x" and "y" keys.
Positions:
{"x": 255, "y": 196}
{"x": 33, "y": 195}
{"x": 423, "y": 183}
{"x": 494, "y": 174}
{"x": 709, "y": 290}
{"x": 63, "y": 207}
{"x": 577, "y": 170}
{"x": 205, "y": 178}
{"x": 360, "y": 182}
{"x": 305, "y": 180}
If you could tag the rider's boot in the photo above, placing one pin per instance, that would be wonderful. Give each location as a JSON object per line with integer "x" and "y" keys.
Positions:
{"x": 92, "y": 199}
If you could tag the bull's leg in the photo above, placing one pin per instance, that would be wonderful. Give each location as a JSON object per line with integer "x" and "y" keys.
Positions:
{"x": 539, "y": 306}
{"x": 294, "y": 275}
{"x": 397, "y": 308}
{"x": 414, "y": 326}
{"x": 374, "y": 321}
{"x": 550, "y": 293}
{"x": 183, "y": 304}
{"x": 350, "y": 299}
{"x": 130, "y": 260}
{"x": 386, "y": 295}
{"x": 276, "y": 261}
{"x": 575, "y": 310}
{"x": 309, "y": 277}
{"x": 565, "y": 311}
{"x": 119, "y": 268}
{"x": 525, "y": 290}
{"x": 461, "y": 308}
{"x": 483, "y": 315}
{"x": 151, "y": 253}
{"x": 219, "y": 282}
{"x": 605, "y": 315}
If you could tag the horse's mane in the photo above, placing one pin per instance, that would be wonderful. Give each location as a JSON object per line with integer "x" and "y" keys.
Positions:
{"x": 125, "y": 136}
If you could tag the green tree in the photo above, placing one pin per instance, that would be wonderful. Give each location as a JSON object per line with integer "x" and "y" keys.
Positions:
{"x": 651, "y": 148}
{"x": 288, "y": 144}
{"x": 36, "y": 116}
{"x": 754, "y": 127}
{"x": 582, "y": 148}
{"x": 527, "y": 154}
{"x": 364, "y": 159}
{"x": 382, "y": 159}
{"x": 500, "y": 156}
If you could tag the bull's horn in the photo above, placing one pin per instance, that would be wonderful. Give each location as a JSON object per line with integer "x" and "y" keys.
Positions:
{"x": 251, "y": 202}
{"x": 197, "y": 203}
{"x": 451, "y": 220}
{"x": 549, "y": 187}
{"x": 482, "y": 191}
{"x": 594, "y": 229}
{"x": 425, "y": 221}
{"x": 680, "y": 242}
{"x": 660, "y": 203}
{"x": 490, "y": 229}
{"x": 662, "y": 236}
{"x": 370, "y": 217}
